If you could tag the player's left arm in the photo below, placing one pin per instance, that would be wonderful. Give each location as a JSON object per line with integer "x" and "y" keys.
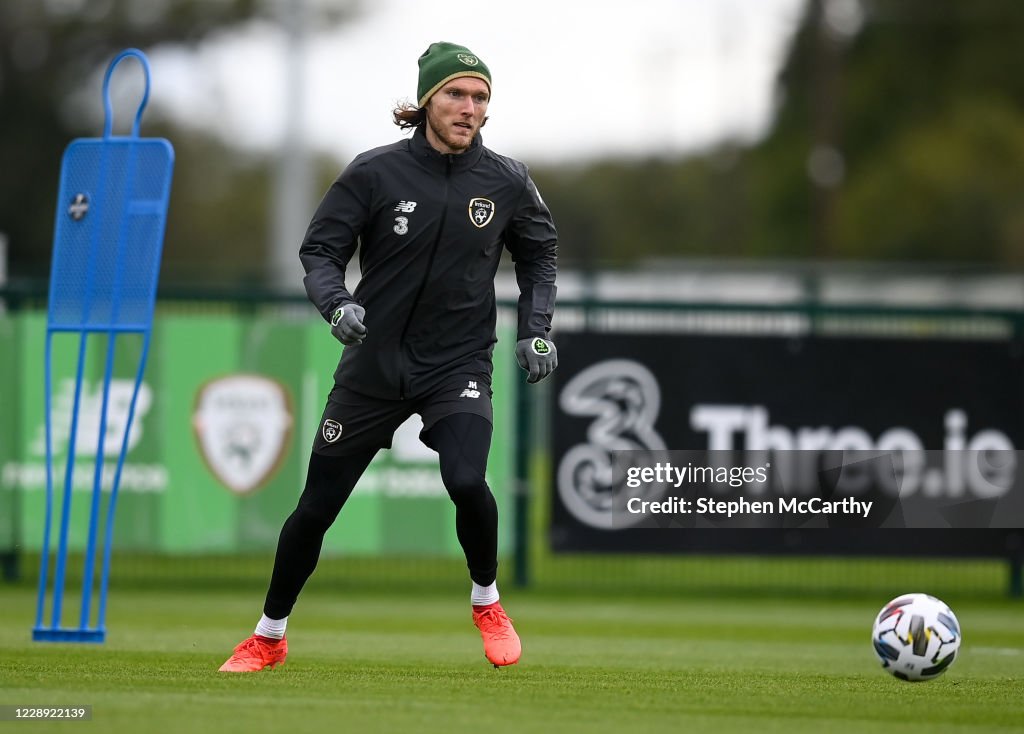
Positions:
{"x": 532, "y": 240}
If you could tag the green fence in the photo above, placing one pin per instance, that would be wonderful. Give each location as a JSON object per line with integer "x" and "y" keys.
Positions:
{"x": 185, "y": 517}
{"x": 218, "y": 449}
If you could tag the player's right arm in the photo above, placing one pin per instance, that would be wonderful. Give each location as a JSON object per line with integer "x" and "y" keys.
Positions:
{"x": 332, "y": 238}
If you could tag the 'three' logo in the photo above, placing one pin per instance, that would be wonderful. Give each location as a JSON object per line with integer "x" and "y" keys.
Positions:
{"x": 624, "y": 399}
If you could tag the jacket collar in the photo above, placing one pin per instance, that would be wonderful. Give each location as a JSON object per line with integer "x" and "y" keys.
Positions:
{"x": 436, "y": 161}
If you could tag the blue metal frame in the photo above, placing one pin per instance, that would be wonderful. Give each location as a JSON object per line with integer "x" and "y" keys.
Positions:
{"x": 77, "y": 314}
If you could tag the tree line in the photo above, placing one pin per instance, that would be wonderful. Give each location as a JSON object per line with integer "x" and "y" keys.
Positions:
{"x": 901, "y": 139}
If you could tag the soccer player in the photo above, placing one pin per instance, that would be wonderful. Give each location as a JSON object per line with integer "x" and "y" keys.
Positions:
{"x": 430, "y": 215}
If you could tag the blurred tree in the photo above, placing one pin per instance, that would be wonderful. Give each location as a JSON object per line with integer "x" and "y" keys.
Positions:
{"x": 925, "y": 157}
{"x": 899, "y": 135}
{"x": 50, "y": 50}
{"x": 219, "y": 221}
{"x": 620, "y": 211}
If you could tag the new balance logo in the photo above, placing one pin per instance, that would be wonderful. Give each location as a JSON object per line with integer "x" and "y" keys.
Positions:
{"x": 406, "y": 206}
{"x": 471, "y": 391}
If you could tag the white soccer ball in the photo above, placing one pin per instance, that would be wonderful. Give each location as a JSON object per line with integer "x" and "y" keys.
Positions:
{"x": 916, "y": 636}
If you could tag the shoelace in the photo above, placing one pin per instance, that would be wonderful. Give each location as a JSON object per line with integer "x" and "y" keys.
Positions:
{"x": 496, "y": 623}
{"x": 252, "y": 646}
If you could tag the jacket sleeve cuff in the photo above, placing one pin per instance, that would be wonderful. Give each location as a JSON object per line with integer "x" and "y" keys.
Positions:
{"x": 532, "y": 335}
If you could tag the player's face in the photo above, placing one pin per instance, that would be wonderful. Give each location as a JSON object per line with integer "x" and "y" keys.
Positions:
{"x": 455, "y": 114}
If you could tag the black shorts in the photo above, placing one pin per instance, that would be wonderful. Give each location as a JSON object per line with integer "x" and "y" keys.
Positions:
{"x": 353, "y": 422}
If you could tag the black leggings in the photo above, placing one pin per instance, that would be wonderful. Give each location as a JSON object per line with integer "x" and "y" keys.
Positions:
{"x": 462, "y": 442}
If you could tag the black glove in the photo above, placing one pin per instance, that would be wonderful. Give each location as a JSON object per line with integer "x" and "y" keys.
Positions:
{"x": 347, "y": 324}
{"x": 537, "y": 356}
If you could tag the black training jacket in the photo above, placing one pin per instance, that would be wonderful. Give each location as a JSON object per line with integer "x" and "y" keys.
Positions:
{"x": 430, "y": 229}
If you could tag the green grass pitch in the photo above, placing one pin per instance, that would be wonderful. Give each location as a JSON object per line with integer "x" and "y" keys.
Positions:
{"x": 373, "y": 662}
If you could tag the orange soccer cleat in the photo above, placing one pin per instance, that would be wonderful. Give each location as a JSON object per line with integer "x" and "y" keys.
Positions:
{"x": 256, "y": 653}
{"x": 501, "y": 643}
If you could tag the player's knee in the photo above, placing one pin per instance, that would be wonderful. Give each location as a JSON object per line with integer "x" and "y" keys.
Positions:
{"x": 315, "y": 516}
{"x": 464, "y": 483}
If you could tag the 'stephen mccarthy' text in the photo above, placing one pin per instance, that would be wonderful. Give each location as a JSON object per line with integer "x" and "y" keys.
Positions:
{"x": 743, "y": 506}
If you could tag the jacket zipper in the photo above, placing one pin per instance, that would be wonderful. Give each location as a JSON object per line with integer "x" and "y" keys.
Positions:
{"x": 426, "y": 276}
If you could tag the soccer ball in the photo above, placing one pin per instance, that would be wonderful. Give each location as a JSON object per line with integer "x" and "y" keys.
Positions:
{"x": 916, "y": 636}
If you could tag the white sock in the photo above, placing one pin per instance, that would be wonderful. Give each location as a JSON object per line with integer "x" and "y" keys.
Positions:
{"x": 271, "y": 627}
{"x": 484, "y": 595}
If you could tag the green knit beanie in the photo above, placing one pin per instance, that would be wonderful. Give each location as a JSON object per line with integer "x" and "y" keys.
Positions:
{"x": 443, "y": 62}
